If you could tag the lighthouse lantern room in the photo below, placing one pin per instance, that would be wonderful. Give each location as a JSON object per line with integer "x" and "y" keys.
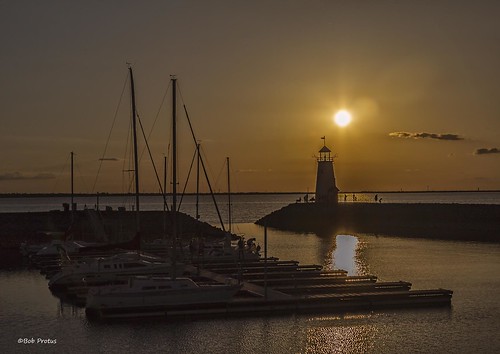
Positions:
{"x": 326, "y": 188}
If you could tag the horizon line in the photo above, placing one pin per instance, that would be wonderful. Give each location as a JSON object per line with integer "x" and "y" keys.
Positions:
{"x": 41, "y": 194}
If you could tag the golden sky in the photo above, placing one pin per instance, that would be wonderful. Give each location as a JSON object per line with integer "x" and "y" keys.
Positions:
{"x": 262, "y": 81}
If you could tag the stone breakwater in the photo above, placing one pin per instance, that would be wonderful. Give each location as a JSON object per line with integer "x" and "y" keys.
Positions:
{"x": 464, "y": 222}
{"x": 119, "y": 226}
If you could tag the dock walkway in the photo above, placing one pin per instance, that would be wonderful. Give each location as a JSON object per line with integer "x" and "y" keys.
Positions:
{"x": 275, "y": 286}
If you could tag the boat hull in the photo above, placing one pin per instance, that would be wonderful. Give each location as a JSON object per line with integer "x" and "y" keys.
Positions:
{"x": 100, "y": 278}
{"x": 159, "y": 302}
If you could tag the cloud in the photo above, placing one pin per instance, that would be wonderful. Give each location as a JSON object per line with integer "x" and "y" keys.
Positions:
{"x": 408, "y": 135}
{"x": 486, "y": 151}
{"x": 109, "y": 159}
{"x": 17, "y": 176}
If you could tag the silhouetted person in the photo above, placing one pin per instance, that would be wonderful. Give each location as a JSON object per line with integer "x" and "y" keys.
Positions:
{"x": 376, "y": 197}
{"x": 345, "y": 197}
{"x": 380, "y": 200}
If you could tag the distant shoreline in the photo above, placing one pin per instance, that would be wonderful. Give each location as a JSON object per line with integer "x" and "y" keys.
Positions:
{"x": 48, "y": 195}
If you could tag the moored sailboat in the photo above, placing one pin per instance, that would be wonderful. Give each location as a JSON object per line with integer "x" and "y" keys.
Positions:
{"x": 150, "y": 295}
{"x": 117, "y": 266}
{"x": 146, "y": 296}
{"x": 104, "y": 270}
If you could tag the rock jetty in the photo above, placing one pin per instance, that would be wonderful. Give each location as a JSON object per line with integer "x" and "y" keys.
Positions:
{"x": 89, "y": 225}
{"x": 465, "y": 222}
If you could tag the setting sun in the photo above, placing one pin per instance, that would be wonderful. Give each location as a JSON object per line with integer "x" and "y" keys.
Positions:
{"x": 342, "y": 118}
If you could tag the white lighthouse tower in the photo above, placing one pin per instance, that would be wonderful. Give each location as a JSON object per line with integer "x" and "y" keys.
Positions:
{"x": 326, "y": 188}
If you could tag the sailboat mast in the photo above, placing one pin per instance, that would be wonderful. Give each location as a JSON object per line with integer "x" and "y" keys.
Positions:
{"x": 136, "y": 159}
{"x": 197, "y": 181}
{"x": 164, "y": 182}
{"x": 174, "y": 171}
{"x": 72, "y": 188}
{"x": 174, "y": 144}
{"x": 228, "y": 194}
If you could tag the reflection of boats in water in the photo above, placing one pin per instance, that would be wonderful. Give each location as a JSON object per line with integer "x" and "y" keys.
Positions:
{"x": 102, "y": 270}
{"x": 153, "y": 295}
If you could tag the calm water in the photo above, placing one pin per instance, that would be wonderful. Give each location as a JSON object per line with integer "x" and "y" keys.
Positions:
{"x": 471, "y": 325}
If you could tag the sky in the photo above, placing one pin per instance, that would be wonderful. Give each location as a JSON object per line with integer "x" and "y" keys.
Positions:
{"x": 262, "y": 81}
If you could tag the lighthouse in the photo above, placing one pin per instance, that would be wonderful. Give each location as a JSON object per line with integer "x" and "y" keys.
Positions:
{"x": 326, "y": 188}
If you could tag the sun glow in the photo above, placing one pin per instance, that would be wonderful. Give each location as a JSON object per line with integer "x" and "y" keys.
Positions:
{"x": 342, "y": 118}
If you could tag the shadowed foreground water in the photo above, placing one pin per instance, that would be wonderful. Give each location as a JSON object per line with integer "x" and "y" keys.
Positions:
{"x": 28, "y": 310}
{"x": 471, "y": 325}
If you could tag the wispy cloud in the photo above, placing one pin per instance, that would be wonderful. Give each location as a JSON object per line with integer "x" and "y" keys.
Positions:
{"x": 108, "y": 159}
{"x": 409, "y": 135}
{"x": 17, "y": 176}
{"x": 486, "y": 151}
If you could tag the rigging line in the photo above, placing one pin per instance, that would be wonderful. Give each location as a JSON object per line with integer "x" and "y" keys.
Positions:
{"x": 209, "y": 166}
{"x": 156, "y": 117}
{"x": 152, "y": 162}
{"x": 187, "y": 117}
{"x": 127, "y": 158}
{"x": 180, "y": 93}
{"x": 82, "y": 180}
{"x": 234, "y": 181}
{"x": 190, "y": 125}
{"x": 187, "y": 179}
{"x": 165, "y": 188}
{"x": 159, "y": 109}
{"x": 60, "y": 173}
{"x": 110, "y": 131}
{"x": 219, "y": 175}
{"x": 212, "y": 193}
{"x": 205, "y": 171}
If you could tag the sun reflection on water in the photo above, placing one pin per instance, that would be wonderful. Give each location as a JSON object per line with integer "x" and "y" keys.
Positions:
{"x": 347, "y": 254}
{"x": 341, "y": 334}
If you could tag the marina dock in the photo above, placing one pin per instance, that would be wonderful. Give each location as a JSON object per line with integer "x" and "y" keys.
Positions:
{"x": 273, "y": 287}
{"x": 266, "y": 286}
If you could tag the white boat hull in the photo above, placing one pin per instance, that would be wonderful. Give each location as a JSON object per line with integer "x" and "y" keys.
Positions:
{"x": 102, "y": 277}
{"x": 124, "y": 300}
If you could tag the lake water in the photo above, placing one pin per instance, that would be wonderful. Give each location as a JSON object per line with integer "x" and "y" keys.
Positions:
{"x": 28, "y": 309}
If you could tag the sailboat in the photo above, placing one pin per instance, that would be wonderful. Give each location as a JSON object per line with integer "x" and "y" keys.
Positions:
{"x": 155, "y": 295}
{"x": 63, "y": 240}
{"x": 120, "y": 266}
{"x": 150, "y": 295}
{"x": 95, "y": 271}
